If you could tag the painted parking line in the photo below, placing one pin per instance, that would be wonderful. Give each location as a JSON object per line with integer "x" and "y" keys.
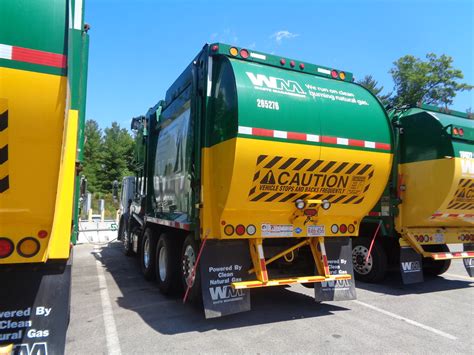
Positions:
{"x": 407, "y": 320}
{"x": 459, "y": 276}
{"x": 111, "y": 336}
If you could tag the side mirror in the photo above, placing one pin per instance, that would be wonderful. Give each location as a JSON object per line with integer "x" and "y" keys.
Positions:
{"x": 137, "y": 123}
{"x": 115, "y": 186}
{"x": 83, "y": 188}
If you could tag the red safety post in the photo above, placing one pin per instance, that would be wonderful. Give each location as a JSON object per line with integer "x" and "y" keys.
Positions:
{"x": 193, "y": 273}
{"x": 373, "y": 241}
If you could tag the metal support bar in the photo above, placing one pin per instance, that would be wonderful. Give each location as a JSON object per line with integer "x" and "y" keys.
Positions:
{"x": 283, "y": 253}
{"x": 319, "y": 255}
{"x": 258, "y": 259}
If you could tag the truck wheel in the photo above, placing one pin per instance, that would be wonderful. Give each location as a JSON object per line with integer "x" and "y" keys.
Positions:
{"x": 127, "y": 241}
{"x": 148, "y": 255}
{"x": 188, "y": 261}
{"x": 436, "y": 267}
{"x": 167, "y": 264}
{"x": 372, "y": 270}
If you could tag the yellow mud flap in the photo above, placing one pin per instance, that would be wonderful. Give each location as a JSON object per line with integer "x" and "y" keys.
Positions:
{"x": 288, "y": 281}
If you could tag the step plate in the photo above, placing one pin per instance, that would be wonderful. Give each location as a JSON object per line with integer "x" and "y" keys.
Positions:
{"x": 289, "y": 281}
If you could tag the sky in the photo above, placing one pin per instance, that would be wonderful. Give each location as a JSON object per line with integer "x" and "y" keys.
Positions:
{"x": 139, "y": 47}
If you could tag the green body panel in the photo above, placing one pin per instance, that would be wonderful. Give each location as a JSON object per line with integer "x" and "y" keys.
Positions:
{"x": 39, "y": 24}
{"x": 428, "y": 135}
{"x": 301, "y": 103}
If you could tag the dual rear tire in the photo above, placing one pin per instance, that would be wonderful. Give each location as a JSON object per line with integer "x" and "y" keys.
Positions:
{"x": 171, "y": 263}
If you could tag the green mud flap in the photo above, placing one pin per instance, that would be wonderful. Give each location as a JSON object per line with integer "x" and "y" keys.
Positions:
{"x": 224, "y": 262}
{"x": 469, "y": 262}
{"x": 34, "y": 307}
{"x": 411, "y": 267}
{"x": 339, "y": 254}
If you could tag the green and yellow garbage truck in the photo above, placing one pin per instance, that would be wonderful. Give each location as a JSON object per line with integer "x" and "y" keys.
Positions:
{"x": 43, "y": 72}
{"x": 254, "y": 171}
{"x": 429, "y": 201}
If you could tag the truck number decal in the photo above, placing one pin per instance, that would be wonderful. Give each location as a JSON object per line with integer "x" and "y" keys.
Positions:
{"x": 268, "y": 104}
{"x": 285, "y": 179}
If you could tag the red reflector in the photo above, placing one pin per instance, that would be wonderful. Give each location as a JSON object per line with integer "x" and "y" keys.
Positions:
{"x": 310, "y": 212}
{"x": 240, "y": 230}
{"x": 215, "y": 48}
{"x": 343, "y": 228}
{"x": 42, "y": 234}
{"x": 292, "y": 63}
{"x": 301, "y": 66}
{"x": 282, "y": 61}
{"x": 244, "y": 53}
{"x": 334, "y": 74}
{"x": 461, "y": 132}
{"x": 455, "y": 131}
{"x": 6, "y": 247}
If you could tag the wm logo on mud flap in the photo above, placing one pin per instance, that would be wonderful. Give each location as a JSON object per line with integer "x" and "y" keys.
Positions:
{"x": 464, "y": 196}
{"x": 224, "y": 292}
{"x": 339, "y": 284}
{"x": 284, "y": 179}
{"x": 31, "y": 349}
{"x": 411, "y": 266}
{"x": 276, "y": 85}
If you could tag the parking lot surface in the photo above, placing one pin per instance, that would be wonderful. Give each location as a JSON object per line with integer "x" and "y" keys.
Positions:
{"x": 114, "y": 310}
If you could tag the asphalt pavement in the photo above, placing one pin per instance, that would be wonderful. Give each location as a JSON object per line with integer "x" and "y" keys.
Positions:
{"x": 115, "y": 311}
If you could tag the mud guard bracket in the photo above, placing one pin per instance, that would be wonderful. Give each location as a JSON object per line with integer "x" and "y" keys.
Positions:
{"x": 224, "y": 262}
{"x": 339, "y": 255}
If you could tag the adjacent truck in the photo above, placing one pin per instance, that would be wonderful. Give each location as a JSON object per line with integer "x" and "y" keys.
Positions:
{"x": 43, "y": 71}
{"x": 255, "y": 171}
{"x": 429, "y": 201}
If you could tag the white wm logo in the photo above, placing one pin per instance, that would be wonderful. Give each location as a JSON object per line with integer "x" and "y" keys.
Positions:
{"x": 289, "y": 86}
{"x": 411, "y": 266}
{"x": 224, "y": 292}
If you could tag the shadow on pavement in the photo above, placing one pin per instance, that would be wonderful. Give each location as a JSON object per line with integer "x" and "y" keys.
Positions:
{"x": 169, "y": 316}
{"x": 393, "y": 285}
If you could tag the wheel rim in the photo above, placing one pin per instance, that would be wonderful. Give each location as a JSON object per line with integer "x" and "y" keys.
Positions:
{"x": 189, "y": 260}
{"x": 162, "y": 262}
{"x": 126, "y": 243}
{"x": 146, "y": 253}
{"x": 362, "y": 264}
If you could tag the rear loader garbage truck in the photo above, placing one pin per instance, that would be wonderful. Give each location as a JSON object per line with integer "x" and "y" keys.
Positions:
{"x": 429, "y": 201}
{"x": 43, "y": 69}
{"x": 255, "y": 171}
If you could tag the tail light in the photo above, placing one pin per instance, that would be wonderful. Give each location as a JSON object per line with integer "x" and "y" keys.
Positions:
{"x": 6, "y": 248}
{"x": 251, "y": 229}
{"x": 244, "y": 53}
{"x": 42, "y": 234}
{"x": 229, "y": 229}
{"x": 342, "y": 75}
{"x": 351, "y": 228}
{"x": 233, "y": 51}
{"x": 343, "y": 228}
{"x": 240, "y": 229}
{"x": 334, "y": 74}
{"x": 28, "y": 247}
{"x": 310, "y": 212}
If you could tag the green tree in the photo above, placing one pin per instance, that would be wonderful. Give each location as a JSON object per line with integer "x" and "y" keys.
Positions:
{"x": 92, "y": 155}
{"x": 117, "y": 156}
{"x": 371, "y": 84}
{"x": 432, "y": 81}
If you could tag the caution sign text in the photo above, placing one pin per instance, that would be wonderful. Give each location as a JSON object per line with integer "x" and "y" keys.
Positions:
{"x": 285, "y": 179}
{"x": 464, "y": 196}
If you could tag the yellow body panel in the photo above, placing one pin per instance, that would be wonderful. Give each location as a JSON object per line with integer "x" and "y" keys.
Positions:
{"x": 36, "y": 105}
{"x": 239, "y": 170}
{"x": 432, "y": 188}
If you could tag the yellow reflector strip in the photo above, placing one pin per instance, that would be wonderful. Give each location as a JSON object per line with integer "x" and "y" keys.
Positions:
{"x": 233, "y": 51}
{"x": 28, "y": 247}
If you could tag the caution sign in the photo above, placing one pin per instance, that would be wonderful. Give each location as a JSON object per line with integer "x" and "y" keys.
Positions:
{"x": 286, "y": 179}
{"x": 464, "y": 197}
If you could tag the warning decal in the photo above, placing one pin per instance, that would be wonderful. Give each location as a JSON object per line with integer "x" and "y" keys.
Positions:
{"x": 286, "y": 179}
{"x": 464, "y": 197}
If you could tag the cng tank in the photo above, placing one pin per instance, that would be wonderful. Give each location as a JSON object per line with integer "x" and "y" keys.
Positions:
{"x": 437, "y": 169}
{"x": 277, "y": 135}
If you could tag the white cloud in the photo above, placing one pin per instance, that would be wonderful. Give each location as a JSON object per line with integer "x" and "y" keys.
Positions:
{"x": 280, "y": 35}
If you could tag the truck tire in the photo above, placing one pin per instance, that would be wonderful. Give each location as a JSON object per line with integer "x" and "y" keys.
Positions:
{"x": 436, "y": 267}
{"x": 189, "y": 255}
{"x": 373, "y": 270}
{"x": 167, "y": 264}
{"x": 148, "y": 255}
{"x": 127, "y": 241}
